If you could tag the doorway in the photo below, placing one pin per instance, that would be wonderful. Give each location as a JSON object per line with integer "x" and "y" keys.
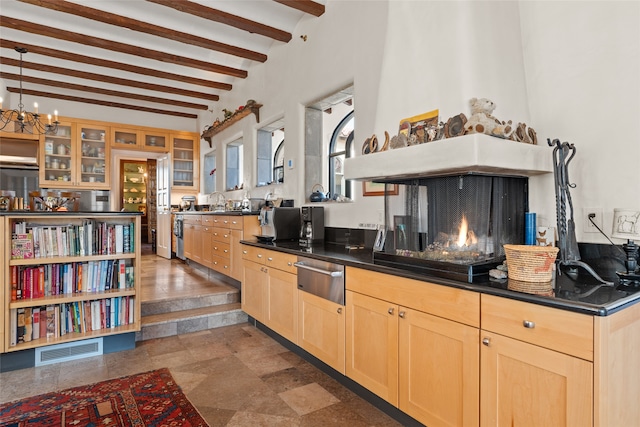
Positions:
{"x": 137, "y": 193}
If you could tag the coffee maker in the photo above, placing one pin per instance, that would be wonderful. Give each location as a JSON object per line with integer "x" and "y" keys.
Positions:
{"x": 311, "y": 225}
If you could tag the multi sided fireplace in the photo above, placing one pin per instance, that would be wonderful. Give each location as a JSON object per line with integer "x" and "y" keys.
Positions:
{"x": 454, "y": 226}
{"x": 460, "y": 200}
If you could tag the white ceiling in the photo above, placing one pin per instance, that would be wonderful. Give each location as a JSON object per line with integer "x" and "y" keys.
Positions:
{"x": 148, "y": 15}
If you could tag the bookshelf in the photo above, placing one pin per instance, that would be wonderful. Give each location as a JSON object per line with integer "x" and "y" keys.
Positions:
{"x": 76, "y": 276}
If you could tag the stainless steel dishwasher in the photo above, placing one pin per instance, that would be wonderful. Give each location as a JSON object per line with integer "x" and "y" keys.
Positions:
{"x": 321, "y": 278}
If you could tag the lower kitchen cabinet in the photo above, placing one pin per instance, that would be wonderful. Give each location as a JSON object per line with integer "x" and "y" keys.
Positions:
{"x": 321, "y": 329}
{"x": 537, "y": 367}
{"x": 528, "y": 385}
{"x": 425, "y": 364}
{"x": 270, "y": 290}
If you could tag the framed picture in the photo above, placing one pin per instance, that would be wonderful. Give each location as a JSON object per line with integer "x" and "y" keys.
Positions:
{"x": 377, "y": 189}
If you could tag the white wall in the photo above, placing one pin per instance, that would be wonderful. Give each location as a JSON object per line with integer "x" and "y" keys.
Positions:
{"x": 568, "y": 69}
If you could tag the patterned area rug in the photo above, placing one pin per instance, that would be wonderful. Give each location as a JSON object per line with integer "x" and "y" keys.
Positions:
{"x": 148, "y": 399}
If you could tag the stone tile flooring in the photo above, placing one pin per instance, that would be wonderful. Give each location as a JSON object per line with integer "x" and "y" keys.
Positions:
{"x": 235, "y": 375}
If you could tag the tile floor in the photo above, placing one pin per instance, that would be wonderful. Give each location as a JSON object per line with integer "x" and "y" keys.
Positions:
{"x": 234, "y": 375}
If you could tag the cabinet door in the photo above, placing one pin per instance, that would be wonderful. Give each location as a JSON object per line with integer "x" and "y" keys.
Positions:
{"x": 94, "y": 162}
{"x": 372, "y": 345}
{"x": 321, "y": 329}
{"x": 207, "y": 247}
{"x": 196, "y": 249}
{"x": 253, "y": 290}
{"x": 124, "y": 138}
{"x": 185, "y": 154}
{"x": 188, "y": 238}
{"x": 155, "y": 141}
{"x": 56, "y": 157}
{"x": 282, "y": 303}
{"x": 236, "y": 254}
{"x": 526, "y": 385}
{"x": 439, "y": 370}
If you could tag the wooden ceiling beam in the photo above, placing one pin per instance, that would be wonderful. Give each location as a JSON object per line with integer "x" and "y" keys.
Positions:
{"x": 54, "y": 53}
{"x": 47, "y": 31}
{"x": 306, "y": 6}
{"x": 225, "y": 18}
{"x": 101, "y": 102}
{"x": 145, "y": 27}
{"x": 92, "y": 89}
{"x": 107, "y": 79}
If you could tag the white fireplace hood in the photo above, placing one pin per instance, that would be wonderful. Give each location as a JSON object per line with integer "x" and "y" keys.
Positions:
{"x": 467, "y": 154}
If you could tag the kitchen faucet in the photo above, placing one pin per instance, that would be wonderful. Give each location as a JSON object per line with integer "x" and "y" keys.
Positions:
{"x": 219, "y": 203}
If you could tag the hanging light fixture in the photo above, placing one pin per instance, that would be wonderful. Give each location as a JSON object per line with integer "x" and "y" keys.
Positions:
{"x": 25, "y": 121}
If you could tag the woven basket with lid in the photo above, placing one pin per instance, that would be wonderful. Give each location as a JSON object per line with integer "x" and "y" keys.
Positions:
{"x": 530, "y": 263}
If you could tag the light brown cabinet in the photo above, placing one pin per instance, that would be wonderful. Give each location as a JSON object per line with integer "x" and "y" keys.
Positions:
{"x": 77, "y": 156}
{"x": 185, "y": 154}
{"x": 192, "y": 229}
{"x": 405, "y": 342}
{"x": 139, "y": 138}
{"x": 537, "y": 365}
{"x": 270, "y": 290}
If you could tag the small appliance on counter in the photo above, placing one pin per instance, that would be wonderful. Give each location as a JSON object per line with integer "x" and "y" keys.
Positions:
{"x": 279, "y": 223}
{"x": 311, "y": 225}
{"x": 188, "y": 203}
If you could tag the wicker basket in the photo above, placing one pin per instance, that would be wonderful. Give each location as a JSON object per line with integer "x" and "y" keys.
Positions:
{"x": 536, "y": 288}
{"x": 530, "y": 263}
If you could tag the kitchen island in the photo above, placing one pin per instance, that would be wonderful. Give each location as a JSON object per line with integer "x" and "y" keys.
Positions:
{"x": 454, "y": 353}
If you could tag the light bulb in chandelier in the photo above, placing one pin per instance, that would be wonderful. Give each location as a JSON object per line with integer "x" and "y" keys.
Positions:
{"x": 25, "y": 121}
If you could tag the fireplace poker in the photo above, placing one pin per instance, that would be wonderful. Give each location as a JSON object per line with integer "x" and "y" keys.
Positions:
{"x": 569, "y": 251}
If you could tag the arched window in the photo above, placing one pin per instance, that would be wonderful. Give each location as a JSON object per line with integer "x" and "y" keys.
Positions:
{"x": 278, "y": 163}
{"x": 341, "y": 147}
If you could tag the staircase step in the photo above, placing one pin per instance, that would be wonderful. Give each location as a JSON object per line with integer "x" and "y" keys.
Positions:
{"x": 190, "y": 320}
{"x": 225, "y": 295}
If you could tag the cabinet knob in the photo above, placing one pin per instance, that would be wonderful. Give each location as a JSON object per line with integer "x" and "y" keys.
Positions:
{"x": 269, "y": 259}
{"x": 215, "y": 248}
{"x": 390, "y": 311}
{"x": 259, "y": 255}
{"x": 289, "y": 264}
{"x": 486, "y": 341}
{"x": 401, "y": 314}
{"x": 226, "y": 250}
{"x": 244, "y": 252}
{"x": 339, "y": 310}
{"x": 528, "y": 324}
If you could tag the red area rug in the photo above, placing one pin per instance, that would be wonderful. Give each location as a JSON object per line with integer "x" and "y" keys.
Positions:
{"x": 148, "y": 399}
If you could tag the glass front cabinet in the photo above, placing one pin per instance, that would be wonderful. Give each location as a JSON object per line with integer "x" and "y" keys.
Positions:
{"x": 77, "y": 156}
{"x": 185, "y": 155}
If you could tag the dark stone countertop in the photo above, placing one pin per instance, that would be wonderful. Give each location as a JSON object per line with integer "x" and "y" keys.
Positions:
{"x": 67, "y": 213}
{"x": 574, "y": 291}
{"x": 232, "y": 213}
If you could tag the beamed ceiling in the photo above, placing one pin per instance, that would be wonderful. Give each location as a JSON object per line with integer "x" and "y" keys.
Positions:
{"x": 173, "y": 57}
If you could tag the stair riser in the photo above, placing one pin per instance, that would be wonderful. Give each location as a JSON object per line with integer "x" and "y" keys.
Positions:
{"x": 169, "y": 306}
{"x": 192, "y": 324}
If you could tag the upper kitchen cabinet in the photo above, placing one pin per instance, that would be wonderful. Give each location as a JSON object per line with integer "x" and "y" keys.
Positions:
{"x": 76, "y": 156}
{"x": 185, "y": 154}
{"x": 139, "y": 139}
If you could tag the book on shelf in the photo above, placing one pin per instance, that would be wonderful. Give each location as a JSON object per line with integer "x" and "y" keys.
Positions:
{"x": 22, "y": 246}
{"x": 51, "y": 322}
{"x": 21, "y": 325}
{"x": 13, "y": 324}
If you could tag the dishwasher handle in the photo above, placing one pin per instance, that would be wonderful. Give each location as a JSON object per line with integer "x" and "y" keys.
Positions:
{"x": 317, "y": 270}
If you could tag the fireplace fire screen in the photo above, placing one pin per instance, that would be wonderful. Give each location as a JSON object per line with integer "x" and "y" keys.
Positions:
{"x": 454, "y": 226}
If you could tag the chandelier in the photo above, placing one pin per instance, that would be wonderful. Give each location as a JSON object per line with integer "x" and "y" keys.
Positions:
{"x": 25, "y": 121}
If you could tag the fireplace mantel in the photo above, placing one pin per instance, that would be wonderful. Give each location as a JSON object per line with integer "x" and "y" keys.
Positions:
{"x": 467, "y": 154}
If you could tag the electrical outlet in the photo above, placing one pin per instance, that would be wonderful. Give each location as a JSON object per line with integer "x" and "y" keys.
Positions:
{"x": 596, "y": 216}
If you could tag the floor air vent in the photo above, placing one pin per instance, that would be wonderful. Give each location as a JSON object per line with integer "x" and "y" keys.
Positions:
{"x": 68, "y": 351}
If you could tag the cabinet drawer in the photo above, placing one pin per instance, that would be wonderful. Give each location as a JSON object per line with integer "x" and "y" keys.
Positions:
{"x": 220, "y": 264}
{"x": 220, "y": 235}
{"x": 221, "y": 249}
{"x": 235, "y": 222}
{"x": 193, "y": 219}
{"x": 556, "y": 329}
{"x": 281, "y": 261}
{"x": 221, "y": 221}
{"x": 451, "y": 303}
{"x": 252, "y": 253}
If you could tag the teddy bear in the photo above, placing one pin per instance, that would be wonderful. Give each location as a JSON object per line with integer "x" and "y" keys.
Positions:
{"x": 481, "y": 120}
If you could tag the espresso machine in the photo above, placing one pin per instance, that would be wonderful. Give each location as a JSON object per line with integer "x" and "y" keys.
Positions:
{"x": 311, "y": 225}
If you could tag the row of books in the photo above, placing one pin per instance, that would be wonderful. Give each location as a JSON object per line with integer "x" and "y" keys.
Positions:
{"x": 55, "y": 321}
{"x": 89, "y": 238}
{"x": 40, "y": 281}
